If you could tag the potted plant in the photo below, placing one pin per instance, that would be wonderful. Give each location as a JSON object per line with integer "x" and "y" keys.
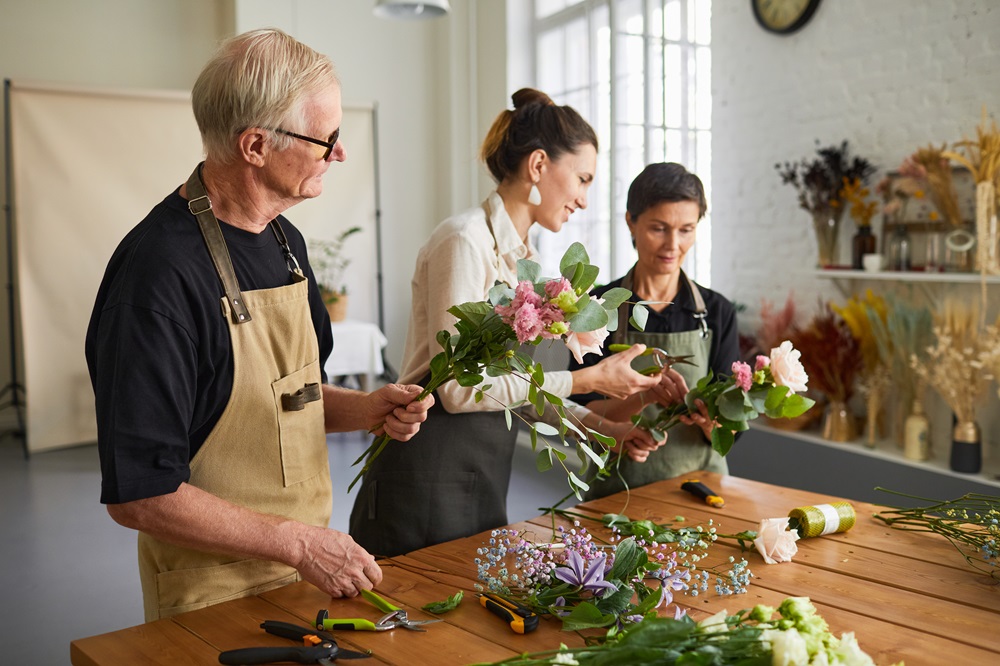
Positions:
{"x": 329, "y": 261}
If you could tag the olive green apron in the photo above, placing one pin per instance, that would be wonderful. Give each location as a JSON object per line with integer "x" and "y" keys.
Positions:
{"x": 686, "y": 449}
{"x": 268, "y": 450}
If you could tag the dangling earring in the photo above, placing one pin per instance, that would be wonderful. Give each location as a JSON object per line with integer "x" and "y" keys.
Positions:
{"x": 534, "y": 196}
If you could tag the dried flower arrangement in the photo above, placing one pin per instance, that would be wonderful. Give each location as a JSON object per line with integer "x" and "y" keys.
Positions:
{"x": 831, "y": 355}
{"x": 775, "y": 325}
{"x": 930, "y": 165}
{"x": 855, "y": 196}
{"x": 896, "y": 193}
{"x": 819, "y": 181}
{"x": 982, "y": 159}
{"x": 989, "y": 352}
{"x": 952, "y": 366}
{"x": 875, "y": 377}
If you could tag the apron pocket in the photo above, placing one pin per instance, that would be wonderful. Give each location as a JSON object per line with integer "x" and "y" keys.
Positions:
{"x": 301, "y": 432}
{"x": 184, "y": 590}
{"x": 417, "y": 509}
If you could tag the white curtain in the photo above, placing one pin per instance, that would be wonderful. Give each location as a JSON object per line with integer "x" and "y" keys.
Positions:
{"x": 87, "y": 165}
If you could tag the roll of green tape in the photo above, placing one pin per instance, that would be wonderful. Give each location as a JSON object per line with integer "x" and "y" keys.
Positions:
{"x": 813, "y": 521}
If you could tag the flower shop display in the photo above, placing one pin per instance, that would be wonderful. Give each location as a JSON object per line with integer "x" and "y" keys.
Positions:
{"x": 874, "y": 377}
{"x": 798, "y": 635}
{"x": 773, "y": 386}
{"x": 955, "y": 371}
{"x": 534, "y": 310}
{"x": 982, "y": 158}
{"x": 819, "y": 182}
{"x": 329, "y": 262}
{"x": 832, "y": 357}
{"x": 971, "y": 523}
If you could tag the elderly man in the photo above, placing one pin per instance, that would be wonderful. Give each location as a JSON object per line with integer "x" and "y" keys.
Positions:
{"x": 206, "y": 345}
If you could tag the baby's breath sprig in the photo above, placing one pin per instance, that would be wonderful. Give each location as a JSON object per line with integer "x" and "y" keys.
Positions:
{"x": 971, "y": 523}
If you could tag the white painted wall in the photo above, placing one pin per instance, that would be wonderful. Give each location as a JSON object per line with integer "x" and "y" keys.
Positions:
{"x": 889, "y": 76}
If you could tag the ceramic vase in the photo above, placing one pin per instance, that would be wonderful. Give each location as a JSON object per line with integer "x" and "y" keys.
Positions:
{"x": 916, "y": 443}
{"x": 966, "y": 448}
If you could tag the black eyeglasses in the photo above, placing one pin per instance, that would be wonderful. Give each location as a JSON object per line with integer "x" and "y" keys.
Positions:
{"x": 329, "y": 144}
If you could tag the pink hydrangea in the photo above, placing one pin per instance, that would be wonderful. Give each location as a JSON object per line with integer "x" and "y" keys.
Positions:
{"x": 742, "y": 375}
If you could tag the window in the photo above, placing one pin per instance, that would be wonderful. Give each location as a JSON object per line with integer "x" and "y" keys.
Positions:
{"x": 640, "y": 72}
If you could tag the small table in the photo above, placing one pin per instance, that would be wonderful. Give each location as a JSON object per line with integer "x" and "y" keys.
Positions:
{"x": 357, "y": 352}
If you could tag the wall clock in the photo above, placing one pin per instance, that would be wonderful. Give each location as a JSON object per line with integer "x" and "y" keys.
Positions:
{"x": 783, "y": 16}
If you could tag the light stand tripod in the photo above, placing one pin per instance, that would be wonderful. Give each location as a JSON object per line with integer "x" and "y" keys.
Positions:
{"x": 14, "y": 389}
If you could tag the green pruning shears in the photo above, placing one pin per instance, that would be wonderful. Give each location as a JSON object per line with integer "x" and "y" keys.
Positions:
{"x": 394, "y": 617}
{"x": 661, "y": 359}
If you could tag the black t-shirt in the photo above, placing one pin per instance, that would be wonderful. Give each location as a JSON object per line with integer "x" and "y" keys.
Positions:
{"x": 678, "y": 317}
{"x": 158, "y": 347}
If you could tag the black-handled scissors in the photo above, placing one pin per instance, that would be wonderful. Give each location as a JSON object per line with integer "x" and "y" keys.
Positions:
{"x": 319, "y": 647}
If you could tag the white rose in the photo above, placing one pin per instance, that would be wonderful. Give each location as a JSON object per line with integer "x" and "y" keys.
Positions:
{"x": 786, "y": 369}
{"x": 714, "y": 624}
{"x": 775, "y": 541}
{"x": 788, "y": 648}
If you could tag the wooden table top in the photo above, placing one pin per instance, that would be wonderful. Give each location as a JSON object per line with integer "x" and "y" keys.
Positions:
{"x": 906, "y": 595}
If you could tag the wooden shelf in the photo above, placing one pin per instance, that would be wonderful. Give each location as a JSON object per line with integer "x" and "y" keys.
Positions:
{"x": 905, "y": 276}
{"x": 884, "y": 450}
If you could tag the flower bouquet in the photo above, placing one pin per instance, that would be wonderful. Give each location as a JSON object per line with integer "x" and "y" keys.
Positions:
{"x": 772, "y": 387}
{"x": 971, "y": 523}
{"x": 536, "y": 309}
{"x": 589, "y": 585}
{"x": 798, "y": 635}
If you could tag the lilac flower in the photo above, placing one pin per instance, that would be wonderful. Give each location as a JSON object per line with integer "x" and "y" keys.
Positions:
{"x": 590, "y": 578}
{"x": 672, "y": 579}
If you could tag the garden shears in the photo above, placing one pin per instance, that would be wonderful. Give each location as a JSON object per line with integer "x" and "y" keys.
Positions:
{"x": 661, "y": 359}
{"x": 394, "y": 617}
{"x": 319, "y": 647}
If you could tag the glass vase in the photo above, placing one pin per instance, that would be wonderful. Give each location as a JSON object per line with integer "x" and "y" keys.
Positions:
{"x": 838, "y": 423}
{"x": 960, "y": 251}
{"x": 966, "y": 448}
{"x": 873, "y": 418}
{"x": 826, "y": 225}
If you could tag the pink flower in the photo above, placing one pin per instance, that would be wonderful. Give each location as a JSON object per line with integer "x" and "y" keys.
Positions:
{"x": 555, "y": 287}
{"x": 587, "y": 342}
{"x": 786, "y": 369}
{"x": 742, "y": 375}
{"x": 525, "y": 293}
{"x": 761, "y": 363}
{"x": 528, "y": 325}
{"x": 775, "y": 542}
{"x": 550, "y": 315}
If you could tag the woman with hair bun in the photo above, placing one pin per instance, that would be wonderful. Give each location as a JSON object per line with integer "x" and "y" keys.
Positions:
{"x": 451, "y": 480}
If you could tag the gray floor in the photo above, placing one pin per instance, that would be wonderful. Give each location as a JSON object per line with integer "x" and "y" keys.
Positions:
{"x": 68, "y": 571}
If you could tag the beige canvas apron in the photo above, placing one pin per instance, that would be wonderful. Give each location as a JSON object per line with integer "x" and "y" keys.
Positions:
{"x": 686, "y": 449}
{"x": 268, "y": 450}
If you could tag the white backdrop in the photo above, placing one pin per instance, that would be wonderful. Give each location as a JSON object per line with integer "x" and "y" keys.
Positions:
{"x": 87, "y": 165}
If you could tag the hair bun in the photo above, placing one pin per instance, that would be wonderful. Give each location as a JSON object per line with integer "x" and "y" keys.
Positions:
{"x": 527, "y": 96}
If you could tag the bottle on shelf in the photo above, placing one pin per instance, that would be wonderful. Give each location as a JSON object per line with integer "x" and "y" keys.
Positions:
{"x": 863, "y": 243}
{"x": 915, "y": 445}
{"x": 900, "y": 249}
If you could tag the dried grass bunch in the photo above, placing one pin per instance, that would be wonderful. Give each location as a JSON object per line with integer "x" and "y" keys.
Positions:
{"x": 989, "y": 352}
{"x": 831, "y": 355}
{"x": 931, "y": 166}
{"x": 903, "y": 332}
{"x": 953, "y": 367}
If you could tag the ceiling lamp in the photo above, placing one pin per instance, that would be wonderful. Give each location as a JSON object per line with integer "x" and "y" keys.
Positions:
{"x": 411, "y": 9}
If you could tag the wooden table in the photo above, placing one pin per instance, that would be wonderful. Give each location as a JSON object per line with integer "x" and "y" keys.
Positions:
{"x": 906, "y": 596}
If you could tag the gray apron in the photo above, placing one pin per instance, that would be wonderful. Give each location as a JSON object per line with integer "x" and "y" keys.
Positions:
{"x": 686, "y": 449}
{"x": 447, "y": 482}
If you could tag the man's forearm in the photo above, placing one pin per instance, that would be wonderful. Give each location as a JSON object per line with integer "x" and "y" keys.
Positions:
{"x": 193, "y": 518}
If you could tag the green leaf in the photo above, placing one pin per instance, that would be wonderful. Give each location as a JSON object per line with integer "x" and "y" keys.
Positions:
{"x": 590, "y": 318}
{"x": 607, "y": 441}
{"x": 628, "y": 558}
{"x": 577, "y": 482}
{"x": 507, "y": 417}
{"x": 528, "y": 270}
{"x": 722, "y": 440}
{"x": 576, "y": 253}
{"x": 615, "y": 297}
{"x": 775, "y": 396}
{"x": 596, "y": 459}
{"x": 584, "y": 277}
{"x": 544, "y": 429}
{"x": 796, "y": 405}
{"x": 732, "y": 404}
{"x": 639, "y": 316}
{"x": 499, "y": 293}
{"x": 543, "y": 461}
{"x": 449, "y": 604}
{"x": 469, "y": 379}
{"x": 586, "y": 615}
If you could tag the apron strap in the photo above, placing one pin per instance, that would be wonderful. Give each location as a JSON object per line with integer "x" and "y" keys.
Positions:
{"x": 201, "y": 207}
{"x": 700, "y": 313}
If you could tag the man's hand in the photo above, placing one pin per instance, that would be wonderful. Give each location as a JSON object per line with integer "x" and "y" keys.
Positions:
{"x": 334, "y": 563}
{"x": 396, "y": 407}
